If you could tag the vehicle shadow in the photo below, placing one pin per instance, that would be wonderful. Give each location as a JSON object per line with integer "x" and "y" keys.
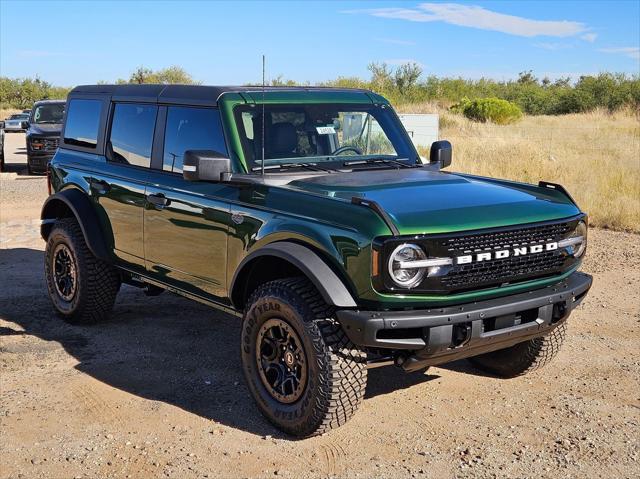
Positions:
{"x": 19, "y": 168}
{"x": 163, "y": 348}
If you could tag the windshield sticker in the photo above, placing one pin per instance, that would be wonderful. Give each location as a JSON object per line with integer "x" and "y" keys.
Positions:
{"x": 326, "y": 130}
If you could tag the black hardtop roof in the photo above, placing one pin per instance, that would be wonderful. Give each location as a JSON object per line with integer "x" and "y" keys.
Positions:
{"x": 45, "y": 102}
{"x": 197, "y": 94}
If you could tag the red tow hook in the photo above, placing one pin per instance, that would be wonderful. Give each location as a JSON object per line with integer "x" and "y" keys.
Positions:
{"x": 49, "y": 178}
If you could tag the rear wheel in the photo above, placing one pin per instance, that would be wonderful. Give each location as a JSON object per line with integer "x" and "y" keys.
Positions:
{"x": 303, "y": 371}
{"x": 522, "y": 358}
{"x": 81, "y": 287}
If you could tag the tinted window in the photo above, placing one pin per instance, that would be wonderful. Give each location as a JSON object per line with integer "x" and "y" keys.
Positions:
{"x": 191, "y": 129}
{"x": 321, "y": 133}
{"x": 51, "y": 113}
{"x": 132, "y": 133}
{"x": 83, "y": 122}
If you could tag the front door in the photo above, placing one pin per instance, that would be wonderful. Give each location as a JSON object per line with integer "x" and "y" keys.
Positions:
{"x": 186, "y": 223}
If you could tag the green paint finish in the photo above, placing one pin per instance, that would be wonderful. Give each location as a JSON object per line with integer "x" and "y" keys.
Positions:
{"x": 421, "y": 201}
{"x": 227, "y": 103}
{"x": 198, "y": 241}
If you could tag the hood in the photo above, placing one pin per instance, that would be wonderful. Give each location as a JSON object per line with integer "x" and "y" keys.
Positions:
{"x": 421, "y": 201}
{"x": 46, "y": 129}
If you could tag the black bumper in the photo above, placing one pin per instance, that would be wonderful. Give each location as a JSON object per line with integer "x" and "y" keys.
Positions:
{"x": 39, "y": 162}
{"x": 446, "y": 334}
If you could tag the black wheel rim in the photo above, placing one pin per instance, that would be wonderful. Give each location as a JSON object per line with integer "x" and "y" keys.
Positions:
{"x": 64, "y": 272}
{"x": 281, "y": 359}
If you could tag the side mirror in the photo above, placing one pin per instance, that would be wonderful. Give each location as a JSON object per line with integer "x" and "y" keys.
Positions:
{"x": 24, "y": 125}
{"x": 441, "y": 153}
{"x": 205, "y": 165}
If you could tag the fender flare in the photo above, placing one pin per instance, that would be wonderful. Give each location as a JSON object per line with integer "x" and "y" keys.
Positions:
{"x": 326, "y": 281}
{"x": 80, "y": 206}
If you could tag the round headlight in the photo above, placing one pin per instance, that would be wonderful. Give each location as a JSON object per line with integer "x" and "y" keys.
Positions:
{"x": 406, "y": 277}
{"x": 580, "y": 247}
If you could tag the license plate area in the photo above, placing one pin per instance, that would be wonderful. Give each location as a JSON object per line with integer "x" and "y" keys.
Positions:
{"x": 509, "y": 320}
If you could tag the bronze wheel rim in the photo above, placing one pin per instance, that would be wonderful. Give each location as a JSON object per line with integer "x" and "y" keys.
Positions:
{"x": 281, "y": 360}
{"x": 65, "y": 272}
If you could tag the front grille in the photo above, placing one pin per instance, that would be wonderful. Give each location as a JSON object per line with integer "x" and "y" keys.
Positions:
{"x": 498, "y": 271}
{"x": 501, "y": 270}
{"x": 505, "y": 239}
{"x": 51, "y": 144}
{"x": 493, "y": 272}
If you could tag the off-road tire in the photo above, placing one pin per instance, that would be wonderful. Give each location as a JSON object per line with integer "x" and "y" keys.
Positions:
{"x": 337, "y": 374}
{"x": 522, "y": 358}
{"x": 98, "y": 282}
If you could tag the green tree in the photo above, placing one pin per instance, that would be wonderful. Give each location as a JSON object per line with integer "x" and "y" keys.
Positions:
{"x": 406, "y": 76}
{"x": 170, "y": 75}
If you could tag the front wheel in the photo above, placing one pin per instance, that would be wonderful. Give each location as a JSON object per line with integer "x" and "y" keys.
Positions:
{"x": 82, "y": 287}
{"x": 304, "y": 373}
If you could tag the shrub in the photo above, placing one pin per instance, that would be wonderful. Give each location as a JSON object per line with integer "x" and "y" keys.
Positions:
{"x": 495, "y": 110}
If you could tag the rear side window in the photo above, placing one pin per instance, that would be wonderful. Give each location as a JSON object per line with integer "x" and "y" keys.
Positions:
{"x": 83, "y": 122}
{"x": 131, "y": 136}
{"x": 190, "y": 129}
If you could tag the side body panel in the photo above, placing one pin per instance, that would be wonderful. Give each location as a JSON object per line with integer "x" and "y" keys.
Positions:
{"x": 186, "y": 240}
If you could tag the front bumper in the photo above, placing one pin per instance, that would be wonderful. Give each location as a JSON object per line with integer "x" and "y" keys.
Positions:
{"x": 445, "y": 334}
{"x": 39, "y": 161}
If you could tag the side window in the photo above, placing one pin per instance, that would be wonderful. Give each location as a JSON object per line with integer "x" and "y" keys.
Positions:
{"x": 83, "y": 122}
{"x": 191, "y": 129}
{"x": 132, "y": 133}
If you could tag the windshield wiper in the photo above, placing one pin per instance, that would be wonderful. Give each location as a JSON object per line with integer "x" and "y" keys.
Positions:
{"x": 373, "y": 161}
{"x": 282, "y": 166}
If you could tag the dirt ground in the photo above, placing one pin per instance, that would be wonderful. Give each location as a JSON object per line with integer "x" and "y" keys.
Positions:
{"x": 157, "y": 391}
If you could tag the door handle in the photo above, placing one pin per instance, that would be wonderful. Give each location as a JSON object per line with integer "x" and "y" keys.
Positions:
{"x": 100, "y": 186}
{"x": 158, "y": 201}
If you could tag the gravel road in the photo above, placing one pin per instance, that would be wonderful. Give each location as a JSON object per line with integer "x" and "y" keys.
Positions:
{"x": 157, "y": 390}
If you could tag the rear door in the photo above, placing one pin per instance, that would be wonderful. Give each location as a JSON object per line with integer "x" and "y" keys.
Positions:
{"x": 120, "y": 187}
{"x": 186, "y": 223}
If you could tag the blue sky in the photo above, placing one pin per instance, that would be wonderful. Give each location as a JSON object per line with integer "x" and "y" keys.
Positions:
{"x": 222, "y": 42}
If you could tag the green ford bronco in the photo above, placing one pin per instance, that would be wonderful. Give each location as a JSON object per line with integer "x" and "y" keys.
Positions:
{"x": 308, "y": 214}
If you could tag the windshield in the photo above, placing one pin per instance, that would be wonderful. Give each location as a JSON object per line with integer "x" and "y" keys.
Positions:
{"x": 331, "y": 135}
{"x": 49, "y": 113}
{"x": 19, "y": 116}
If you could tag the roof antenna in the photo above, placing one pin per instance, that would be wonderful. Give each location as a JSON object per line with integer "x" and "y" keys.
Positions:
{"x": 263, "y": 118}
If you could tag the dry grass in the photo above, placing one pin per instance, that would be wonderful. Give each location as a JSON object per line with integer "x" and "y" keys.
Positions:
{"x": 596, "y": 156}
{"x": 5, "y": 113}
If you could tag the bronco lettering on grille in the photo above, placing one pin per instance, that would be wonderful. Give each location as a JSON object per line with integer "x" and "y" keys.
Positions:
{"x": 505, "y": 253}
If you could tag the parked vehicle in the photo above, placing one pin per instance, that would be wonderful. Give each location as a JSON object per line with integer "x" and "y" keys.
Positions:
{"x": 43, "y": 133}
{"x": 307, "y": 213}
{"x": 15, "y": 122}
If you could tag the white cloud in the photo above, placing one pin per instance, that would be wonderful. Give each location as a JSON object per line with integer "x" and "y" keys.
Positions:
{"x": 474, "y": 16}
{"x": 395, "y": 41}
{"x": 631, "y": 52}
{"x": 589, "y": 37}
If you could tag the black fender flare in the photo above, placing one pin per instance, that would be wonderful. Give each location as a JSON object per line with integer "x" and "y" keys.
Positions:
{"x": 326, "y": 281}
{"x": 79, "y": 204}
